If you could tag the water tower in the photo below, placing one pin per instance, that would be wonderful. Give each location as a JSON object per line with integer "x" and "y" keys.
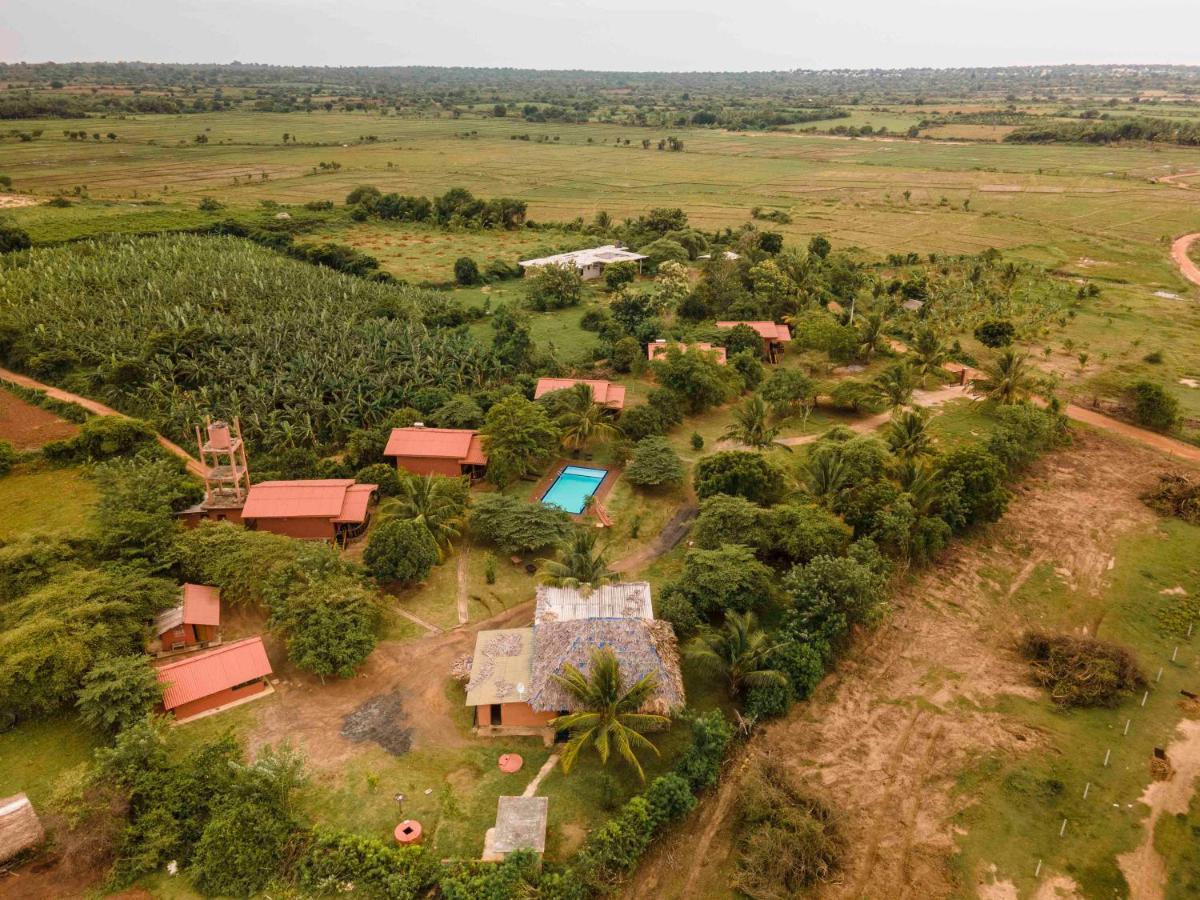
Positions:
{"x": 223, "y": 455}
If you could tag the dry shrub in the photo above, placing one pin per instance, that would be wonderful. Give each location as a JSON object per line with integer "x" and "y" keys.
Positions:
{"x": 1081, "y": 671}
{"x": 1176, "y": 495}
{"x": 789, "y": 840}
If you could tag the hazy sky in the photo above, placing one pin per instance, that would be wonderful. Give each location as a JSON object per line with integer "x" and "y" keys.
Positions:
{"x": 606, "y": 34}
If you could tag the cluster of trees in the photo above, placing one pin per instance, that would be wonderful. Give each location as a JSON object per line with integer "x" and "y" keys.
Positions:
{"x": 457, "y": 208}
{"x": 1109, "y": 130}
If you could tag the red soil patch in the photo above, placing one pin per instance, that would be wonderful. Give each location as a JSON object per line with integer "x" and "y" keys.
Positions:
{"x": 28, "y": 427}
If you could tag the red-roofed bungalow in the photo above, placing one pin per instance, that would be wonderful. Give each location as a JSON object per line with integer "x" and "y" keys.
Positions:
{"x": 773, "y": 336}
{"x": 195, "y": 622}
{"x": 659, "y": 349}
{"x": 208, "y": 681}
{"x": 437, "y": 451}
{"x": 604, "y": 393}
{"x": 331, "y": 509}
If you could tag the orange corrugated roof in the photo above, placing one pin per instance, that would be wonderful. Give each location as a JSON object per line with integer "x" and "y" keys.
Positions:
{"x": 354, "y": 506}
{"x": 657, "y": 349}
{"x": 765, "y": 329}
{"x": 317, "y": 499}
{"x": 603, "y": 392}
{"x": 207, "y": 673}
{"x": 475, "y": 455}
{"x": 439, "y": 443}
{"x": 201, "y": 604}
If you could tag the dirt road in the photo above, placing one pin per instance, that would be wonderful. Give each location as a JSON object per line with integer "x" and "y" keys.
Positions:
{"x": 888, "y": 734}
{"x": 99, "y": 409}
{"x": 1179, "y": 253}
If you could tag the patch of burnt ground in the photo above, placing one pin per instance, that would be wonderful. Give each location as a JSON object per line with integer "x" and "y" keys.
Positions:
{"x": 380, "y": 719}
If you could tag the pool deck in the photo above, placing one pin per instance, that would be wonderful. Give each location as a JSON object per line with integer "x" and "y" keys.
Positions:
{"x": 598, "y": 497}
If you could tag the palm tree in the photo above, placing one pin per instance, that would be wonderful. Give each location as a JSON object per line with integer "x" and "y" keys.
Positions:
{"x": 895, "y": 385}
{"x": 908, "y": 434}
{"x": 435, "y": 501}
{"x": 920, "y": 481}
{"x": 929, "y": 352}
{"x": 751, "y": 427}
{"x": 825, "y": 474}
{"x": 741, "y": 650}
{"x": 581, "y": 419}
{"x": 870, "y": 336}
{"x": 607, "y": 713}
{"x": 1006, "y": 381}
{"x": 578, "y": 563}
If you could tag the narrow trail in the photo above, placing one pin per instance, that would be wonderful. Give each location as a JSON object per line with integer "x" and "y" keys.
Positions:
{"x": 670, "y": 535}
{"x": 464, "y": 558}
{"x": 99, "y": 409}
{"x": 1179, "y": 253}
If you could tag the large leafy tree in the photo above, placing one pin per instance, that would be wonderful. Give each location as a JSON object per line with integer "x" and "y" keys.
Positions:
{"x": 516, "y": 526}
{"x": 607, "y": 713}
{"x": 519, "y": 438}
{"x": 117, "y": 691}
{"x": 740, "y": 473}
{"x": 696, "y": 378}
{"x": 1007, "y": 380}
{"x": 400, "y": 550}
{"x": 578, "y": 563}
{"x": 789, "y": 391}
{"x": 741, "y": 650}
{"x": 654, "y": 463}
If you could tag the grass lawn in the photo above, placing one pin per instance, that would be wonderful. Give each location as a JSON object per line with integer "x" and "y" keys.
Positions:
{"x": 960, "y": 422}
{"x": 1020, "y": 802}
{"x": 40, "y": 499}
{"x": 34, "y": 754}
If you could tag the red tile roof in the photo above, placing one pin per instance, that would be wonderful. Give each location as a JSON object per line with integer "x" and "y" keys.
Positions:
{"x": 201, "y": 605}
{"x": 354, "y": 507}
{"x": 207, "y": 673}
{"x": 604, "y": 393}
{"x": 318, "y": 499}
{"x": 659, "y": 348}
{"x": 462, "y": 444}
{"x": 765, "y": 329}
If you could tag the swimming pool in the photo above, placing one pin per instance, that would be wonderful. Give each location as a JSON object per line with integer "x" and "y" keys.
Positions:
{"x": 572, "y": 488}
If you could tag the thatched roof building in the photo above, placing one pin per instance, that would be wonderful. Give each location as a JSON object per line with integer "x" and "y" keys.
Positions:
{"x": 641, "y": 646}
{"x": 20, "y": 827}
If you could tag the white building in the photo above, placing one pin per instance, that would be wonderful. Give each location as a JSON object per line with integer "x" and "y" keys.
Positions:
{"x": 590, "y": 263}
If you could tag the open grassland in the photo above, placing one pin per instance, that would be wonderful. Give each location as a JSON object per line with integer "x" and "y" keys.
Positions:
{"x": 40, "y": 499}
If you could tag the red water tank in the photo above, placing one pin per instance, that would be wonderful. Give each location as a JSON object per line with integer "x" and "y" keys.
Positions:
{"x": 218, "y": 436}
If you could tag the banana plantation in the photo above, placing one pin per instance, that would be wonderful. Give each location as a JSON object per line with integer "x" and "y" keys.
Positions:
{"x": 175, "y": 328}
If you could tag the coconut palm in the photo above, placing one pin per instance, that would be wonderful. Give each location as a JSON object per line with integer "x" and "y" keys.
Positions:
{"x": 581, "y": 419}
{"x": 741, "y": 650}
{"x": 824, "y": 475}
{"x": 870, "y": 334}
{"x": 895, "y": 385}
{"x": 607, "y": 713}
{"x": 921, "y": 482}
{"x": 929, "y": 354}
{"x": 751, "y": 425}
{"x": 578, "y": 563}
{"x": 908, "y": 434}
{"x": 435, "y": 501}
{"x": 1006, "y": 381}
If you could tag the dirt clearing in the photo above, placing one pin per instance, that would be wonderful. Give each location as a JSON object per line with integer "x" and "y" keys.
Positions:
{"x": 28, "y": 427}
{"x": 889, "y": 732}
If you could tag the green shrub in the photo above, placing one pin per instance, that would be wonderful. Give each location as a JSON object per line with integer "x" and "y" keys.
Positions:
{"x": 1152, "y": 406}
{"x": 13, "y": 238}
{"x": 330, "y": 626}
{"x": 400, "y": 551}
{"x": 333, "y": 859}
{"x": 831, "y": 595}
{"x": 640, "y": 422}
{"x": 516, "y": 526}
{"x": 240, "y": 849}
{"x": 995, "y": 333}
{"x": 803, "y": 662}
{"x": 668, "y": 798}
{"x": 619, "y": 273}
{"x": 466, "y": 272}
{"x": 8, "y": 457}
{"x": 655, "y": 463}
{"x": 768, "y": 701}
{"x": 555, "y": 287}
{"x": 739, "y": 473}
{"x": 972, "y": 489}
{"x": 382, "y": 474}
{"x": 727, "y": 579}
{"x": 118, "y": 691}
{"x": 100, "y": 438}
{"x": 701, "y": 764}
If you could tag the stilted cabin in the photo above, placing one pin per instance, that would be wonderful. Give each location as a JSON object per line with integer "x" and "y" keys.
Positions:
{"x": 590, "y": 263}
{"x": 194, "y": 624}
{"x": 773, "y": 337}
{"x": 511, "y": 685}
{"x": 604, "y": 393}
{"x": 20, "y": 827}
{"x": 659, "y": 349}
{"x": 329, "y": 509}
{"x": 437, "y": 451}
{"x": 216, "y": 679}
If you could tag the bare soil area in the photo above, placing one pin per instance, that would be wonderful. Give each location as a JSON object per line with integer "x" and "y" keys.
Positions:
{"x": 888, "y": 733}
{"x": 1179, "y": 253}
{"x": 28, "y": 427}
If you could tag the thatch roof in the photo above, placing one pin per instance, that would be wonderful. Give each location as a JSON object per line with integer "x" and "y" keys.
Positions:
{"x": 641, "y": 646}
{"x": 20, "y": 828}
{"x": 500, "y": 667}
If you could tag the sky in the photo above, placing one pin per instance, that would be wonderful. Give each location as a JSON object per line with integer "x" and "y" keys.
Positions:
{"x": 630, "y": 35}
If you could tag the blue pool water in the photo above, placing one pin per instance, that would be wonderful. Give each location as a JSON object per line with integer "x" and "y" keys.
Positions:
{"x": 572, "y": 488}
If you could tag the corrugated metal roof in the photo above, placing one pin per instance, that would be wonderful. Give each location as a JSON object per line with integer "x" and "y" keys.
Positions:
{"x": 625, "y": 600}
{"x": 207, "y": 673}
{"x": 475, "y": 455}
{"x": 438, "y": 443}
{"x": 765, "y": 329}
{"x": 357, "y": 500}
{"x": 322, "y": 498}
{"x": 609, "y": 253}
{"x": 201, "y": 605}
{"x": 168, "y": 619}
{"x": 659, "y": 348}
{"x": 603, "y": 392}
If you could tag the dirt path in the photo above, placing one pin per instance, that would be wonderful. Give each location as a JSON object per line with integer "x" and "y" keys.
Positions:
{"x": 1179, "y": 253}
{"x": 663, "y": 542}
{"x": 463, "y": 573}
{"x": 890, "y": 731}
{"x": 99, "y": 409}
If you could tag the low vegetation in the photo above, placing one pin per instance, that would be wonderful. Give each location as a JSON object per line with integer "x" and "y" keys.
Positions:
{"x": 1081, "y": 671}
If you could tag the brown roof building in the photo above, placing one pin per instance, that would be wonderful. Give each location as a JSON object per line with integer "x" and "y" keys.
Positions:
{"x": 604, "y": 393}
{"x": 437, "y": 451}
{"x": 214, "y": 680}
{"x": 195, "y": 622}
{"x": 330, "y": 509}
{"x": 659, "y": 349}
{"x": 773, "y": 336}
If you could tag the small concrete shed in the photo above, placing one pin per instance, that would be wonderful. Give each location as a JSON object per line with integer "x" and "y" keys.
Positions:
{"x": 520, "y": 825}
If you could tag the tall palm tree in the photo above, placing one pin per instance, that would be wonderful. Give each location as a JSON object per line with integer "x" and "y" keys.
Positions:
{"x": 751, "y": 425}
{"x": 870, "y": 335}
{"x": 921, "y": 481}
{"x": 824, "y": 475}
{"x": 581, "y": 419}
{"x": 578, "y": 563}
{"x": 895, "y": 385}
{"x": 929, "y": 354}
{"x": 1006, "y": 381}
{"x": 607, "y": 712}
{"x": 435, "y": 501}
{"x": 741, "y": 650}
{"x": 908, "y": 434}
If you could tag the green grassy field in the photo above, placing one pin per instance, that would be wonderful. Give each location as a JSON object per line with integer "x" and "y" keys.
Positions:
{"x": 40, "y": 499}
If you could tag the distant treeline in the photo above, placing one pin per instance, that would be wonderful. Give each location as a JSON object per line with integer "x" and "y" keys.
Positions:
{"x": 30, "y": 105}
{"x": 1107, "y": 131}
